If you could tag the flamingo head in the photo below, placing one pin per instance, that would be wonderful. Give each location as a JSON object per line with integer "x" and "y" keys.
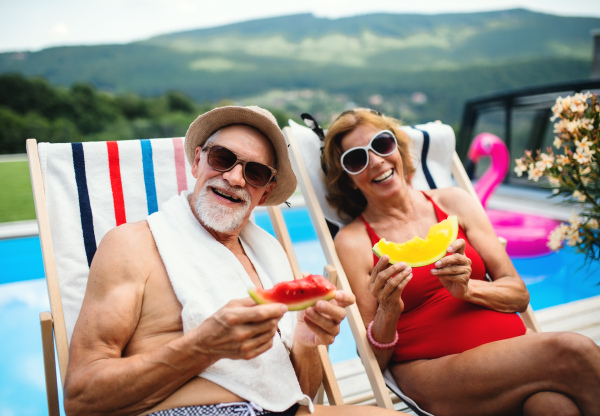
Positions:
{"x": 487, "y": 144}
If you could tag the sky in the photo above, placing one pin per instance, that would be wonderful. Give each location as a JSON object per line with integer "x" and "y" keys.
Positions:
{"x": 31, "y": 25}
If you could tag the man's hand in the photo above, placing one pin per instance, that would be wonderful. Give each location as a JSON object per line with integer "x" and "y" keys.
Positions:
{"x": 239, "y": 330}
{"x": 320, "y": 324}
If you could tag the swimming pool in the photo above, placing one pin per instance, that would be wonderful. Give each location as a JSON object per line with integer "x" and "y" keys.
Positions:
{"x": 552, "y": 279}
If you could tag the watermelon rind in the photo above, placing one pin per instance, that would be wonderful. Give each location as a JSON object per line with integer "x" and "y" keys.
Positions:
{"x": 454, "y": 227}
{"x": 298, "y": 306}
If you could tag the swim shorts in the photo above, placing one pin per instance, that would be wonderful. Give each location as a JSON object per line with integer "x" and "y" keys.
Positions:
{"x": 225, "y": 409}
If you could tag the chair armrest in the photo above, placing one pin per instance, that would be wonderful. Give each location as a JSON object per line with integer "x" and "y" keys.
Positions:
{"x": 49, "y": 363}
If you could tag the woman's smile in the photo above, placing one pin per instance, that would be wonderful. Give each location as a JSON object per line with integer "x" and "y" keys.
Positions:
{"x": 384, "y": 176}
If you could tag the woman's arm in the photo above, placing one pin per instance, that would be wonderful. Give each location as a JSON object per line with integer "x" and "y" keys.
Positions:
{"x": 377, "y": 289}
{"x": 507, "y": 291}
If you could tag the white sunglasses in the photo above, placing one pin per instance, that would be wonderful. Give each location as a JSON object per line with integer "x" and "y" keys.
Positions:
{"x": 356, "y": 159}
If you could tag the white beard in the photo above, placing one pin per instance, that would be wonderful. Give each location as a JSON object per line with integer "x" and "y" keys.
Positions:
{"x": 221, "y": 218}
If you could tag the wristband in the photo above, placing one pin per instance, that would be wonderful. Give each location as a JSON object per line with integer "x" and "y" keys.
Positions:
{"x": 379, "y": 345}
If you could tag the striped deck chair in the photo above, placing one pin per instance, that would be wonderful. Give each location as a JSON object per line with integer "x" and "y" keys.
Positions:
{"x": 83, "y": 190}
{"x": 433, "y": 155}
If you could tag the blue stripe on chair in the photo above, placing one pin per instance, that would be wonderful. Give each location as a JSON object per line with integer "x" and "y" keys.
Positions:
{"x": 424, "y": 151}
{"x": 85, "y": 208}
{"x": 149, "y": 176}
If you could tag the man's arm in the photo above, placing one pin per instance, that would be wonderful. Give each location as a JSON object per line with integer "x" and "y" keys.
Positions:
{"x": 317, "y": 325}
{"x": 100, "y": 380}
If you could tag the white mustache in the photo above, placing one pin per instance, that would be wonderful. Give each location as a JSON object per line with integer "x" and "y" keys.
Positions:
{"x": 223, "y": 185}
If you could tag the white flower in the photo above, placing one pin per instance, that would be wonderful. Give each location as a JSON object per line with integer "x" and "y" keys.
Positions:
{"x": 574, "y": 238}
{"x": 581, "y": 158}
{"x": 585, "y": 175}
{"x": 545, "y": 162}
{"x": 520, "y": 167}
{"x": 557, "y": 142}
{"x": 555, "y": 239}
{"x": 579, "y": 102}
{"x": 574, "y": 221}
{"x": 579, "y": 196}
{"x": 576, "y": 171}
{"x": 554, "y": 182}
{"x": 593, "y": 224}
{"x": 534, "y": 173}
{"x": 560, "y": 161}
{"x": 583, "y": 145}
{"x": 587, "y": 124}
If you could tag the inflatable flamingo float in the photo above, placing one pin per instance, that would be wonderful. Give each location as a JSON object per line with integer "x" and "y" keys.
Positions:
{"x": 526, "y": 234}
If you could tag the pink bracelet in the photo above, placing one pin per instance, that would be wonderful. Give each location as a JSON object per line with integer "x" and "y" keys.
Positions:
{"x": 379, "y": 345}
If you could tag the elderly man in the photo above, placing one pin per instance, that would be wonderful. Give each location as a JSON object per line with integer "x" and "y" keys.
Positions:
{"x": 166, "y": 326}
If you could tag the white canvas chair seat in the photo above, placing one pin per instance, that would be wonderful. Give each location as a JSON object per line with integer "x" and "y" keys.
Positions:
{"x": 432, "y": 151}
{"x": 93, "y": 187}
{"x": 83, "y": 190}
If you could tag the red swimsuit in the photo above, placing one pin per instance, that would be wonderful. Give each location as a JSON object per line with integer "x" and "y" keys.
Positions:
{"x": 435, "y": 324}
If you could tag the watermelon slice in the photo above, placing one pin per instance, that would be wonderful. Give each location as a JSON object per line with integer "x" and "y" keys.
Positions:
{"x": 296, "y": 294}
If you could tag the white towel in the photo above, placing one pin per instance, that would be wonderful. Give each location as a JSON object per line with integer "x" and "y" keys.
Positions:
{"x": 205, "y": 276}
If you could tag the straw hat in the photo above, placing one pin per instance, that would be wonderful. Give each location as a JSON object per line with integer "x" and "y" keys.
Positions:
{"x": 208, "y": 123}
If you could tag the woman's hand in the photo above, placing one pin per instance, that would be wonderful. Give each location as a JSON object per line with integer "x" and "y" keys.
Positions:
{"x": 387, "y": 283}
{"x": 454, "y": 270}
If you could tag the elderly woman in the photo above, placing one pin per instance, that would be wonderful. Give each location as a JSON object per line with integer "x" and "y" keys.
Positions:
{"x": 452, "y": 338}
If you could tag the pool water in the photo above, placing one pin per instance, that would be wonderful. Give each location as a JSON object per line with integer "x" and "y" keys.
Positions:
{"x": 553, "y": 279}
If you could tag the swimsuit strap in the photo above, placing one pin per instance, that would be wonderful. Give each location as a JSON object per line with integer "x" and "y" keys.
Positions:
{"x": 441, "y": 215}
{"x": 372, "y": 234}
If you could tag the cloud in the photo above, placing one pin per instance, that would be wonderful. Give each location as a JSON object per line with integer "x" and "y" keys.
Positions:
{"x": 60, "y": 29}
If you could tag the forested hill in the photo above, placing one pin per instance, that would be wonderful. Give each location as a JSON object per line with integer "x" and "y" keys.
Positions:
{"x": 418, "y": 67}
{"x": 410, "y": 41}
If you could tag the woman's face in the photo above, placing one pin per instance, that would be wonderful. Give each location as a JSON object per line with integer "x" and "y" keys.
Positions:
{"x": 384, "y": 174}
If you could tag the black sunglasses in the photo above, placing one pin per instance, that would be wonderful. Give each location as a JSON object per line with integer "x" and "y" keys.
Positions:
{"x": 356, "y": 159}
{"x": 222, "y": 159}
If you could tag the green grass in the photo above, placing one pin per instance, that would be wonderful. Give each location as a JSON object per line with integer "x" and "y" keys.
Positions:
{"x": 16, "y": 199}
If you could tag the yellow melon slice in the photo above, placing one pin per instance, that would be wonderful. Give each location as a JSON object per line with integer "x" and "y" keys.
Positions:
{"x": 419, "y": 252}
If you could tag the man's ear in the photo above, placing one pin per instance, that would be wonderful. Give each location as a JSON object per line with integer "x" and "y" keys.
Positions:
{"x": 268, "y": 190}
{"x": 197, "y": 156}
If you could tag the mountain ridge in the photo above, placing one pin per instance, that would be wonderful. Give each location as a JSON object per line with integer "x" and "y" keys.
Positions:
{"x": 451, "y": 56}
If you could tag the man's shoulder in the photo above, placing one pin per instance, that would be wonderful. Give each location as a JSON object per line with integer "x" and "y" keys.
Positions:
{"x": 128, "y": 233}
{"x": 128, "y": 244}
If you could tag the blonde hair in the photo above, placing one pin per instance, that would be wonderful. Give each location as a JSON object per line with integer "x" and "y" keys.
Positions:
{"x": 341, "y": 194}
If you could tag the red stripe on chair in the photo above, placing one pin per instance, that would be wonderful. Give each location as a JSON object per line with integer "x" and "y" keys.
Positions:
{"x": 115, "y": 182}
{"x": 180, "y": 164}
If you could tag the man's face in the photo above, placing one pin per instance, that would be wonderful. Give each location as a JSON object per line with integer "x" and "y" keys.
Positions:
{"x": 224, "y": 200}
